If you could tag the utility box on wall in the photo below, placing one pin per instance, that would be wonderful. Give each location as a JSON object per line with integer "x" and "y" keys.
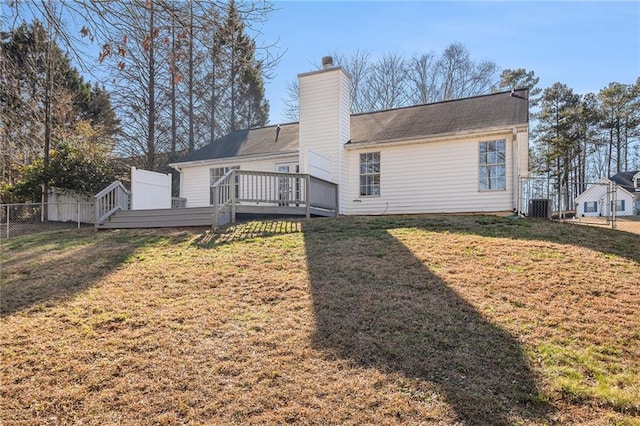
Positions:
{"x": 540, "y": 207}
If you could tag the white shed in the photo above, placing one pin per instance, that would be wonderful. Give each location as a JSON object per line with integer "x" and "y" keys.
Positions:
{"x": 599, "y": 198}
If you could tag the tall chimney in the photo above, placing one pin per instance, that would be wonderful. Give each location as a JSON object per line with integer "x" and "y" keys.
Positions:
{"x": 325, "y": 122}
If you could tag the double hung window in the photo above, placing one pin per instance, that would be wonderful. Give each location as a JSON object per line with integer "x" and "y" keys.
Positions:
{"x": 492, "y": 164}
{"x": 370, "y": 174}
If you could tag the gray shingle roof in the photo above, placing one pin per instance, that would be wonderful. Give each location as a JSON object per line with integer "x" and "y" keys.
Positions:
{"x": 486, "y": 111}
{"x": 625, "y": 180}
{"x": 495, "y": 110}
{"x": 257, "y": 141}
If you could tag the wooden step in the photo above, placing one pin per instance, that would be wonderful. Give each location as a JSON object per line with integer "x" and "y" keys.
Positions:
{"x": 162, "y": 218}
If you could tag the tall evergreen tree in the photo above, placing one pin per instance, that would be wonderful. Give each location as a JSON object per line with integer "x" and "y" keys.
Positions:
{"x": 243, "y": 94}
{"x": 557, "y": 135}
{"x": 620, "y": 113}
{"x": 42, "y": 98}
{"x": 521, "y": 78}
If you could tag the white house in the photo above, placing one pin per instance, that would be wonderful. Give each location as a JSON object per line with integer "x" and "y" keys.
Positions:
{"x": 463, "y": 155}
{"x": 598, "y": 199}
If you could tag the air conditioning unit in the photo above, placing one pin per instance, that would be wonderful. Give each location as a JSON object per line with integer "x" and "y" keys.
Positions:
{"x": 540, "y": 207}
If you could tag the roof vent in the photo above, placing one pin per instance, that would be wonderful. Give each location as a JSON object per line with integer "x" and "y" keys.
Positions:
{"x": 327, "y": 62}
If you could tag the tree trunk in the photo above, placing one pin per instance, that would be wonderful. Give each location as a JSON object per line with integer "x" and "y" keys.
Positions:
{"x": 190, "y": 89}
{"x": 174, "y": 131}
{"x": 151, "y": 135}
{"x": 48, "y": 93}
{"x": 213, "y": 95}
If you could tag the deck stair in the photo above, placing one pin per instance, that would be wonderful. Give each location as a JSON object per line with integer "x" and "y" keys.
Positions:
{"x": 160, "y": 218}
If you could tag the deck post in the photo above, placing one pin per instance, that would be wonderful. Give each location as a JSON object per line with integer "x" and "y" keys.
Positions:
{"x": 216, "y": 207}
{"x": 307, "y": 195}
{"x": 335, "y": 188}
{"x": 233, "y": 188}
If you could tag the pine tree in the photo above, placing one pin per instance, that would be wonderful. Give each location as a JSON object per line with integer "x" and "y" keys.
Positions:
{"x": 518, "y": 79}
{"x": 556, "y": 130}
{"x": 242, "y": 99}
{"x": 42, "y": 97}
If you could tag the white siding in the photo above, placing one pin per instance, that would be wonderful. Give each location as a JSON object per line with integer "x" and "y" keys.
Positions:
{"x": 318, "y": 166}
{"x": 194, "y": 180}
{"x": 324, "y": 118}
{"x": 344, "y": 137}
{"x": 432, "y": 177}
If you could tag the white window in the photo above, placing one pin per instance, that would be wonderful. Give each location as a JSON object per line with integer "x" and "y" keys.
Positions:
{"x": 590, "y": 206}
{"x": 493, "y": 167}
{"x": 370, "y": 174}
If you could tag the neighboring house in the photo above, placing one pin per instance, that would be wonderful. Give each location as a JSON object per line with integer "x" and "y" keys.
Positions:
{"x": 464, "y": 155}
{"x": 598, "y": 199}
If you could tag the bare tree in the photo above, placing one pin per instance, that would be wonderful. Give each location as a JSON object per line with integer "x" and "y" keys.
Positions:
{"x": 460, "y": 76}
{"x": 386, "y": 83}
{"x": 358, "y": 66}
{"x": 421, "y": 72}
{"x": 392, "y": 80}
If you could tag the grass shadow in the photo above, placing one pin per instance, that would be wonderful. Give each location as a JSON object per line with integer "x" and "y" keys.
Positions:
{"x": 45, "y": 268}
{"x": 378, "y": 305}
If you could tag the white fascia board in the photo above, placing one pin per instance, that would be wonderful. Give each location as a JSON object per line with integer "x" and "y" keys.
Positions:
{"x": 442, "y": 137}
{"x": 214, "y": 161}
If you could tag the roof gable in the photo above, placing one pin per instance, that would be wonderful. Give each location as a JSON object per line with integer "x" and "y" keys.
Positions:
{"x": 625, "y": 180}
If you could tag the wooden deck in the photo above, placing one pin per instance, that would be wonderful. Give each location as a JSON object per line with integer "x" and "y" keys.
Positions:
{"x": 237, "y": 192}
{"x": 159, "y": 218}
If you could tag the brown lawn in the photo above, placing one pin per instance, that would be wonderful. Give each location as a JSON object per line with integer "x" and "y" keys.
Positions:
{"x": 388, "y": 320}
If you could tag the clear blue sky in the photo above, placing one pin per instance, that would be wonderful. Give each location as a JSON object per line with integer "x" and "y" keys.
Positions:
{"x": 585, "y": 45}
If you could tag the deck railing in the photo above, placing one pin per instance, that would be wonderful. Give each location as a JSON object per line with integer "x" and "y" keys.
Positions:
{"x": 222, "y": 195}
{"x": 111, "y": 199}
{"x": 178, "y": 203}
{"x": 323, "y": 194}
{"x": 275, "y": 190}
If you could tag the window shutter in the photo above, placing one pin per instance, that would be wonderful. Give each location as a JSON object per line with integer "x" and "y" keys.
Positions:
{"x": 595, "y": 206}
{"x": 584, "y": 208}
{"x": 622, "y": 205}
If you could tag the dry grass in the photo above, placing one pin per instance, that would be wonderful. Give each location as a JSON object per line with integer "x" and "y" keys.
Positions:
{"x": 392, "y": 320}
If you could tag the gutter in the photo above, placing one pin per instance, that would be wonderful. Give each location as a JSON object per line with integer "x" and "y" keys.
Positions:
{"x": 212, "y": 161}
{"x": 441, "y": 137}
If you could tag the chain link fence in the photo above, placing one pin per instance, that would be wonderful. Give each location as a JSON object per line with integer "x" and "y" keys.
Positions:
{"x": 603, "y": 203}
{"x": 28, "y": 218}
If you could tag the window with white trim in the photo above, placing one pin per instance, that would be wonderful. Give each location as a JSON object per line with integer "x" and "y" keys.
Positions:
{"x": 590, "y": 207}
{"x": 370, "y": 174}
{"x": 493, "y": 166}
